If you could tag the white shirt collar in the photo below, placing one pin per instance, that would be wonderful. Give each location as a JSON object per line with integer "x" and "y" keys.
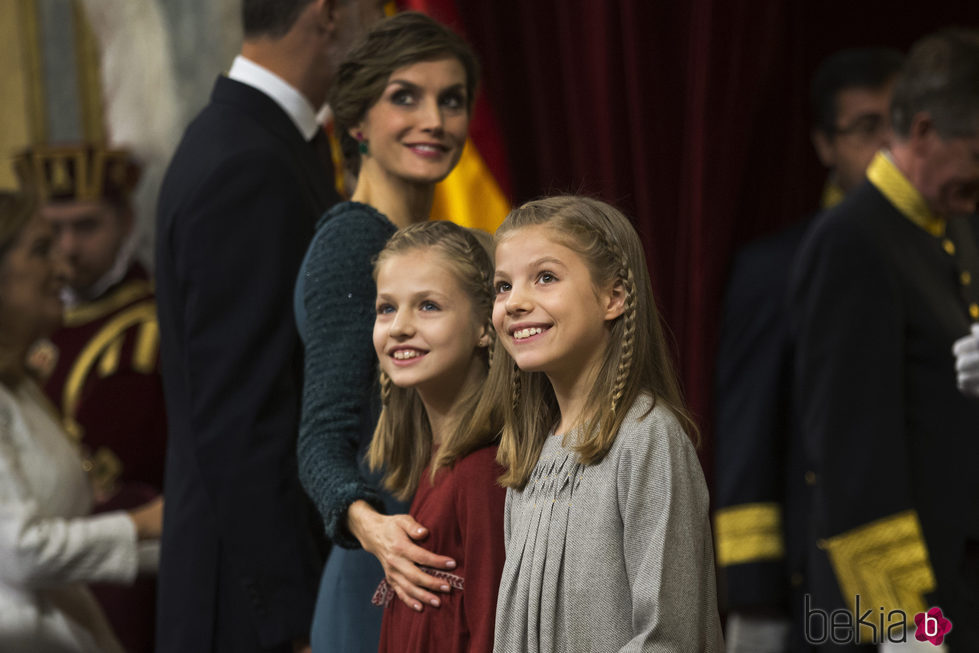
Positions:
{"x": 294, "y": 103}
{"x": 124, "y": 257}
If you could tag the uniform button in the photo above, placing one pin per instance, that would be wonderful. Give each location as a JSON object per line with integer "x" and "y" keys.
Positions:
{"x": 974, "y": 311}
{"x": 797, "y": 579}
{"x": 810, "y": 477}
{"x": 965, "y": 278}
{"x": 949, "y": 247}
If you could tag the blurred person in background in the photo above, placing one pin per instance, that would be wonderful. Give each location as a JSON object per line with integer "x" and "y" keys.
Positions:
{"x": 49, "y": 544}
{"x": 884, "y": 284}
{"x": 759, "y": 493}
{"x": 101, "y": 366}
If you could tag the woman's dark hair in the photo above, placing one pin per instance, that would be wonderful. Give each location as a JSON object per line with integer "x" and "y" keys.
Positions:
{"x": 401, "y": 40}
{"x": 16, "y": 210}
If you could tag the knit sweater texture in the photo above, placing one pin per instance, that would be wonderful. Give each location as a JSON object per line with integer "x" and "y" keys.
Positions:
{"x": 334, "y": 307}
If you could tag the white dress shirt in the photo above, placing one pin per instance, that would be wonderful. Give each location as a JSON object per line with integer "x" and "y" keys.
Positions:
{"x": 294, "y": 103}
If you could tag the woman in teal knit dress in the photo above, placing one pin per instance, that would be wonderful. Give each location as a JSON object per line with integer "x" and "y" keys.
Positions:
{"x": 404, "y": 95}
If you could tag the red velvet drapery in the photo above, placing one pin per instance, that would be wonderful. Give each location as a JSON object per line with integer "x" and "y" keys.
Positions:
{"x": 691, "y": 116}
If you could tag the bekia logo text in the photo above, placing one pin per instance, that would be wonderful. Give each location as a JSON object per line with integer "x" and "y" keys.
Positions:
{"x": 872, "y": 626}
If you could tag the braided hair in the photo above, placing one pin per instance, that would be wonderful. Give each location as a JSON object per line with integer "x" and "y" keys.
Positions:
{"x": 636, "y": 360}
{"x": 402, "y": 442}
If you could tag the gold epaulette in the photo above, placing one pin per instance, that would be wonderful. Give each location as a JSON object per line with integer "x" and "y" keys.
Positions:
{"x": 127, "y": 293}
{"x": 748, "y": 533}
{"x": 885, "y": 562}
{"x": 103, "y": 351}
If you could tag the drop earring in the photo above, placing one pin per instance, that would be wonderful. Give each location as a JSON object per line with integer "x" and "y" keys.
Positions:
{"x": 361, "y": 143}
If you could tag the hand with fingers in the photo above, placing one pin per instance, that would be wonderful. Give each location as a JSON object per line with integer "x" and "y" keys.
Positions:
{"x": 966, "y": 350}
{"x": 391, "y": 539}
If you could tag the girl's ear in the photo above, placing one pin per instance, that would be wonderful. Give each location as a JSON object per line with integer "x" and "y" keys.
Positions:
{"x": 614, "y": 300}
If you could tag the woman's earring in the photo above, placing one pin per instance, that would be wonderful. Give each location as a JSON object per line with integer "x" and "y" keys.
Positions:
{"x": 361, "y": 143}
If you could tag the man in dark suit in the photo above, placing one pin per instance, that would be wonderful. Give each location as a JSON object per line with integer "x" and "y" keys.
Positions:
{"x": 237, "y": 209}
{"x": 884, "y": 284}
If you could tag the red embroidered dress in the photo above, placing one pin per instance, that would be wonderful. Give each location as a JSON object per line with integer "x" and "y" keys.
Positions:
{"x": 463, "y": 511}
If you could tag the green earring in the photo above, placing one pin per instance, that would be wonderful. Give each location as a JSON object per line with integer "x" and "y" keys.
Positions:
{"x": 361, "y": 143}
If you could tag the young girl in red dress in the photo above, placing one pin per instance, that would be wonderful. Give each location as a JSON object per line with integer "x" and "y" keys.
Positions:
{"x": 432, "y": 335}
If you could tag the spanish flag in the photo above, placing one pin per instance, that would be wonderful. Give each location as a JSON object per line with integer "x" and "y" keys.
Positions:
{"x": 475, "y": 193}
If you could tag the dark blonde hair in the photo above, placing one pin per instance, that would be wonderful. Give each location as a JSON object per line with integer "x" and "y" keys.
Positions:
{"x": 401, "y": 40}
{"x": 16, "y": 210}
{"x": 636, "y": 361}
{"x": 402, "y": 442}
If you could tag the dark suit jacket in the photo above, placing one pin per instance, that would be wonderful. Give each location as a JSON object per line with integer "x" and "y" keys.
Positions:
{"x": 236, "y": 213}
{"x": 755, "y": 459}
{"x": 876, "y": 303}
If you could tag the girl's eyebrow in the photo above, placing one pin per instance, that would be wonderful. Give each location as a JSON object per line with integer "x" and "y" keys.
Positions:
{"x": 546, "y": 259}
{"x": 427, "y": 294}
{"x": 421, "y": 294}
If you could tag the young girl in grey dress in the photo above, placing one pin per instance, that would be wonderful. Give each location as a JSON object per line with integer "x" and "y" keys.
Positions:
{"x": 608, "y": 544}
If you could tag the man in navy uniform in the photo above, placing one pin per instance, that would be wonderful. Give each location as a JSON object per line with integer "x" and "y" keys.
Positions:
{"x": 885, "y": 284}
{"x": 101, "y": 368}
{"x": 759, "y": 489}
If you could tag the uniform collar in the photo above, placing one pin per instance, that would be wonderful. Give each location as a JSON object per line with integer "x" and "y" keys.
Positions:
{"x": 893, "y": 185}
{"x": 72, "y": 299}
{"x": 832, "y": 194}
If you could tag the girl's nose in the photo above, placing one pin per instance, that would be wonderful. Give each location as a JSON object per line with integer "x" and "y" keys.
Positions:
{"x": 517, "y": 301}
{"x": 402, "y": 325}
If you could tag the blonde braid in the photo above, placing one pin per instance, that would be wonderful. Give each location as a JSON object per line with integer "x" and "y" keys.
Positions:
{"x": 385, "y": 381}
{"x": 516, "y": 388}
{"x": 628, "y": 334}
{"x": 489, "y": 349}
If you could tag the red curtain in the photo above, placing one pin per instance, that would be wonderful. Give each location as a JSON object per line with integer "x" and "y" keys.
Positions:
{"x": 691, "y": 116}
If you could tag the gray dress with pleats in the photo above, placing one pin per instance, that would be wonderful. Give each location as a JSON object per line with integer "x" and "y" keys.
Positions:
{"x": 615, "y": 556}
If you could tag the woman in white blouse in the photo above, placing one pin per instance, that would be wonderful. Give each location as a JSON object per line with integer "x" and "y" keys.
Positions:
{"x": 49, "y": 546}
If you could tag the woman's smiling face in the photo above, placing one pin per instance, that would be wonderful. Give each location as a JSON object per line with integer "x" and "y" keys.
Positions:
{"x": 417, "y": 130}
{"x": 31, "y": 278}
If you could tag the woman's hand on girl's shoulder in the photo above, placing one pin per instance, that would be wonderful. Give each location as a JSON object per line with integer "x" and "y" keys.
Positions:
{"x": 389, "y": 539}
